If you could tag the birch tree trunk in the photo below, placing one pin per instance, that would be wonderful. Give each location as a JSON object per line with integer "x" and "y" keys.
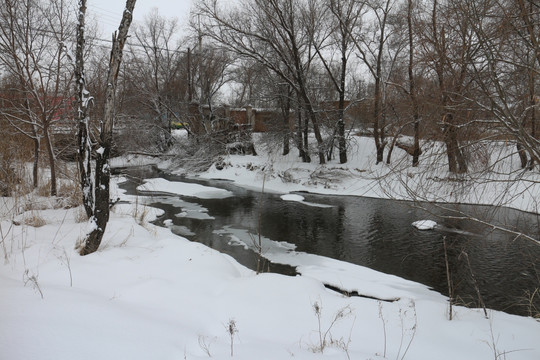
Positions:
{"x": 412, "y": 88}
{"x": 100, "y": 207}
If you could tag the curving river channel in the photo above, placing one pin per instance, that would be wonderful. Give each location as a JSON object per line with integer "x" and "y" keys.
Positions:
{"x": 375, "y": 233}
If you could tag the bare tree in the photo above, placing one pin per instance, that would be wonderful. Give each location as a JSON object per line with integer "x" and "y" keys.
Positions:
{"x": 96, "y": 185}
{"x": 84, "y": 101}
{"x": 412, "y": 86}
{"x": 209, "y": 68}
{"x": 345, "y": 18}
{"x": 31, "y": 37}
{"x": 449, "y": 50}
{"x": 154, "y": 67}
{"x": 408, "y": 86}
{"x": 507, "y": 74}
{"x": 273, "y": 34}
{"x": 371, "y": 50}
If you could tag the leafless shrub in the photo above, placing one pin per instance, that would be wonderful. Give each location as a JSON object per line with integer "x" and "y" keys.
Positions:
{"x": 493, "y": 341}
{"x": 325, "y": 332}
{"x": 475, "y": 284}
{"x": 381, "y": 316}
{"x": 448, "y": 281}
{"x": 32, "y": 279}
{"x": 287, "y": 177}
{"x": 198, "y": 154}
{"x": 124, "y": 242}
{"x": 232, "y": 330}
{"x": 4, "y": 233}
{"x": 65, "y": 260}
{"x": 204, "y": 343}
{"x": 407, "y": 332}
{"x": 478, "y": 156}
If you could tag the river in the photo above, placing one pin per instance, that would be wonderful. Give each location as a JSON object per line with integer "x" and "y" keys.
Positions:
{"x": 376, "y": 233}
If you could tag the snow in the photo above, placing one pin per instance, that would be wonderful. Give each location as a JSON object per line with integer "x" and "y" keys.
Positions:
{"x": 300, "y": 199}
{"x": 490, "y": 181}
{"x": 343, "y": 275}
{"x": 292, "y": 197}
{"x": 132, "y": 160}
{"x": 424, "y": 224}
{"x": 150, "y": 294}
{"x": 184, "y": 189}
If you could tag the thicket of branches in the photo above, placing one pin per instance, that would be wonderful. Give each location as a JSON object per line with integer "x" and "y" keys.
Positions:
{"x": 457, "y": 72}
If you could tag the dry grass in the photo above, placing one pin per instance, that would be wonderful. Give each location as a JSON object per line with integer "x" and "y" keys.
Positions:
{"x": 44, "y": 189}
{"x": 80, "y": 215}
{"x": 141, "y": 214}
{"x": 71, "y": 194}
{"x": 15, "y": 151}
{"x": 532, "y": 303}
{"x": 34, "y": 219}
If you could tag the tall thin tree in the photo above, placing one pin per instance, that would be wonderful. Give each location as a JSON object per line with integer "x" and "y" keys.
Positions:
{"x": 97, "y": 195}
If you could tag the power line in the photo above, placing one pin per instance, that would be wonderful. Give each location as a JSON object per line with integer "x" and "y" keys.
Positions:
{"x": 53, "y": 35}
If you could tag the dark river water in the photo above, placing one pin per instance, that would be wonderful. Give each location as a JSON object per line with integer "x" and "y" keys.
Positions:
{"x": 375, "y": 233}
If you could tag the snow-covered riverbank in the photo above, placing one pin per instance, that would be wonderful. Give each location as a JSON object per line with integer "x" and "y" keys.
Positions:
{"x": 149, "y": 294}
{"x": 494, "y": 177}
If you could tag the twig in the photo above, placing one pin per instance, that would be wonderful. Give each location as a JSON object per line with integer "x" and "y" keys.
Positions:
{"x": 475, "y": 283}
{"x": 448, "y": 279}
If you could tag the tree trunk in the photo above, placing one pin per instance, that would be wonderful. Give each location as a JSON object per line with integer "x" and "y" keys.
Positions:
{"x": 391, "y": 147}
{"x": 522, "y": 155}
{"x": 306, "y": 102}
{"x": 378, "y": 130}
{"x": 412, "y": 89}
{"x": 341, "y": 129}
{"x": 100, "y": 216}
{"x": 52, "y": 162}
{"x": 532, "y": 105}
{"x": 286, "y": 127}
{"x": 416, "y": 151}
{"x": 299, "y": 140}
{"x": 302, "y": 140}
{"x": 286, "y": 146}
{"x": 456, "y": 158}
{"x": 342, "y": 144}
{"x": 318, "y": 137}
{"x": 84, "y": 158}
{"x": 35, "y": 169}
{"x": 37, "y": 146}
{"x": 316, "y": 130}
{"x": 285, "y": 105}
{"x": 81, "y": 114}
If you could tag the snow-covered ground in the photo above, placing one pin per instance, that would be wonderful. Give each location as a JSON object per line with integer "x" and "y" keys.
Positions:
{"x": 150, "y": 294}
{"x": 495, "y": 177}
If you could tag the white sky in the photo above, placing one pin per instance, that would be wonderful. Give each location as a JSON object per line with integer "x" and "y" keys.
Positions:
{"x": 109, "y": 12}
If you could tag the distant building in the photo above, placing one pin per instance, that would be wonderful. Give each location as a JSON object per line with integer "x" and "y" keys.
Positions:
{"x": 202, "y": 119}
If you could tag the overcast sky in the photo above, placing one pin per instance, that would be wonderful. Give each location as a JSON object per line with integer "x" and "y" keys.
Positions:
{"x": 109, "y": 12}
